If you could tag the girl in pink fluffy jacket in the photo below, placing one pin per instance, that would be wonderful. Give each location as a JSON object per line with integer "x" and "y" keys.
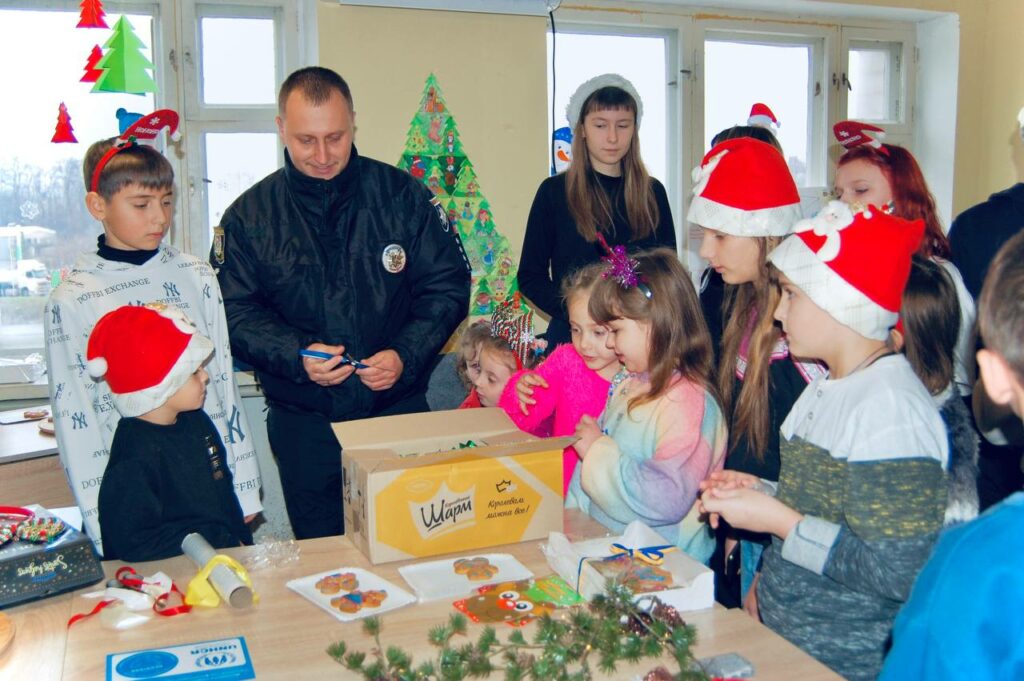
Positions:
{"x": 573, "y": 381}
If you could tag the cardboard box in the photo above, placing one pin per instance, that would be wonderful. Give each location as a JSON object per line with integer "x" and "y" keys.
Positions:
{"x": 695, "y": 582}
{"x": 410, "y": 491}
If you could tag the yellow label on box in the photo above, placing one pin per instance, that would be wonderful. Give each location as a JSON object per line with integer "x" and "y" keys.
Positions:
{"x": 467, "y": 502}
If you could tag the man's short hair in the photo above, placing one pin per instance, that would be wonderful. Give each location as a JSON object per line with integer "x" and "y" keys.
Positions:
{"x": 1001, "y": 305}
{"x": 316, "y": 84}
{"x": 138, "y": 164}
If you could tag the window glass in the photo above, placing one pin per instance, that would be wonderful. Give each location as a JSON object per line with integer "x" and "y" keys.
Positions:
{"x": 738, "y": 74}
{"x": 238, "y": 61}
{"x": 42, "y": 211}
{"x": 873, "y": 82}
{"x": 640, "y": 59}
{"x": 235, "y": 162}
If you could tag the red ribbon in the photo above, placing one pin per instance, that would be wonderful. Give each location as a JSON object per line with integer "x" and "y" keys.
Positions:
{"x": 17, "y": 514}
{"x": 128, "y": 578}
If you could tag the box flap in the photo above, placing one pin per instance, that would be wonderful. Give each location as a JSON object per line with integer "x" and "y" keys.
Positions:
{"x": 430, "y": 432}
{"x": 376, "y": 460}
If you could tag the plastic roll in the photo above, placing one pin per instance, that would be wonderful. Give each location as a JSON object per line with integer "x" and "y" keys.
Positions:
{"x": 224, "y": 580}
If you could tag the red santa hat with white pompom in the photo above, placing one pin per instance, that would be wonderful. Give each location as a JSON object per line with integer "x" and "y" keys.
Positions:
{"x": 853, "y": 262}
{"x": 143, "y": 131}
{"x": 145, "y": 354}
{"x": 763, "y": 117}
{"x": 743, "y": 187}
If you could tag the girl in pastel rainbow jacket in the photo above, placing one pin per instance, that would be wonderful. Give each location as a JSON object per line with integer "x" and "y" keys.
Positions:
{"x": 573, "y": 381}
{"x": 662, "y": 430}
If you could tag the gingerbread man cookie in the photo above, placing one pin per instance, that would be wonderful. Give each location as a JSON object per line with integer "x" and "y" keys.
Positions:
{"x": 357, "y": 600}
{"x": 475, "y": 569}
{"x": 339, "y": 581}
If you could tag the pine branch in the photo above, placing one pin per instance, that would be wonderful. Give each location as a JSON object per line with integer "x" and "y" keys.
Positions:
{"x": 611, "y": 627}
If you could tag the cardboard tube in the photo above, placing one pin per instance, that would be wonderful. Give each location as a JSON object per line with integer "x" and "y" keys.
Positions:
{"x": 224, "y": 580}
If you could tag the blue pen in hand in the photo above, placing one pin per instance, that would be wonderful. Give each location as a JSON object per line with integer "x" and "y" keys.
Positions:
{"x": 345, "y": 359}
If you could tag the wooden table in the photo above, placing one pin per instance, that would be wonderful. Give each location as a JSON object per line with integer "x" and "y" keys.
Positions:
{"x": 287, "y": 636}
{"x": 30, "y": 470}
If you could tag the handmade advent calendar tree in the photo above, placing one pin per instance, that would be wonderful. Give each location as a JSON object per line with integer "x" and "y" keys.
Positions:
{"x": 434, "y": 155}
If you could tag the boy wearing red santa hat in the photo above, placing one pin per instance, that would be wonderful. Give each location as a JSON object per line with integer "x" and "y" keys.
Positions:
{"x": 130, "y": 191}
{"x": 862, "y": 487}
{"x": 167, "y": 475}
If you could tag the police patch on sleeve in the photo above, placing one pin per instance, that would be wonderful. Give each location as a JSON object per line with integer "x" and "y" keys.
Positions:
{"x": 393, "y": 258}
{"x": 442, "y": 214}
{"x": 218, "y": 245}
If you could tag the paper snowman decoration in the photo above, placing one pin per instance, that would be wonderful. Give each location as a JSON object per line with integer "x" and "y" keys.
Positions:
{"x": 562, "y": 140}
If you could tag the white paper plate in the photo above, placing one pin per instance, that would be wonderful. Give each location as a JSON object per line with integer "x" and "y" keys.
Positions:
{"x": 397, "y": 597}
{"x": 437, "y": 579}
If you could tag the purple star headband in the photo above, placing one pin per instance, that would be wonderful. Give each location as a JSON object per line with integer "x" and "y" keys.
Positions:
{"x": 623, "y": 269}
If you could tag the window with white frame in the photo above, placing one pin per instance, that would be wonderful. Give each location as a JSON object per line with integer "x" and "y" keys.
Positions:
{"x": 235, "y": 57}
{"x": 785, "y": 72}
{"x": 217, "y": 64}
{"x": 643, "y": 58}
{"x": 810, "y": 73}
{"x": 876, "y": 80}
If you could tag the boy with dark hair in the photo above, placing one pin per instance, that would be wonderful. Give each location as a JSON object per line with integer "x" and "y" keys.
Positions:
{"x": 965, "y": 617}
{"x": 167, "y": 476}
{"x": 131, "y": 192}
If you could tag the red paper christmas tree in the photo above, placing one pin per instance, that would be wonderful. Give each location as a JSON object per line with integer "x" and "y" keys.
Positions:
{"x": 92, "y": 15}
{"x": 123, "y": 64}
{"x": 63, "y": 132}
{"x": 92, "y": 74}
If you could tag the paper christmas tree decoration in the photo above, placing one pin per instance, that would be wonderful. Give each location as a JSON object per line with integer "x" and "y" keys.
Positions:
{"x": 92, "y": 73}
{"x": 123, "y": 64}
{"x": 63, "y": 132}
{"x": 92, "y": 15}
{"x": 435, "y": 156}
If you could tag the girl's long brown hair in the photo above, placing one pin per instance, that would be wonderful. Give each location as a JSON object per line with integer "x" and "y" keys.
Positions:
{"x": 679, "y": 338}
{"x": 910, "y": 194}
{"x": 589, "y": 205}
{"x": 931, "y": 323}
{"x": 749, "y": 306}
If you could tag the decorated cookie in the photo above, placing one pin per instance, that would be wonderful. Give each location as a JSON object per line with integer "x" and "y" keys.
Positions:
{"x": 636, "y": 575}
{"x": 36, "y": 413}
{"x": 41, "y": 530}
{"x": 476, "y": 569}
{"x": 514, "y": 603}
{"x": 357, "y": 600}
{"x": 6, "y": 534}
{"x": 339, "y": 581}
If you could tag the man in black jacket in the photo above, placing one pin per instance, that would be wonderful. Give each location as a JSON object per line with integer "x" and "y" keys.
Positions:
{"x": 338, "y": 254}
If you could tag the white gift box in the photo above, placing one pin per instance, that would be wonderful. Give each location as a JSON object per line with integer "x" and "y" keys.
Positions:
{"x": 694, "y": 582}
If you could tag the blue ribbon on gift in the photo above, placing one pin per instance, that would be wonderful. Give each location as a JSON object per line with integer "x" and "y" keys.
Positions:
{"x": 653, "y": 555}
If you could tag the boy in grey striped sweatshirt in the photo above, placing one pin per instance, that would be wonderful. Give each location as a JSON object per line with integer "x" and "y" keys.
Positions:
{"x": 862, "y": 489}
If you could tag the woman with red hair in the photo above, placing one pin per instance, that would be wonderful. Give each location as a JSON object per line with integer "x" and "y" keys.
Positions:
{"x": 888, "y": 176}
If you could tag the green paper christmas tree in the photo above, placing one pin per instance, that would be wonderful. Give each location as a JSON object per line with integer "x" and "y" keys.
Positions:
{"x": 435, "y": 156}
{"x": 123, "y": 65}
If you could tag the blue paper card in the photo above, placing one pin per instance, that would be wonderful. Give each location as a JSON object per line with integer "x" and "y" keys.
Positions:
{"x": 225, "y": 659}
